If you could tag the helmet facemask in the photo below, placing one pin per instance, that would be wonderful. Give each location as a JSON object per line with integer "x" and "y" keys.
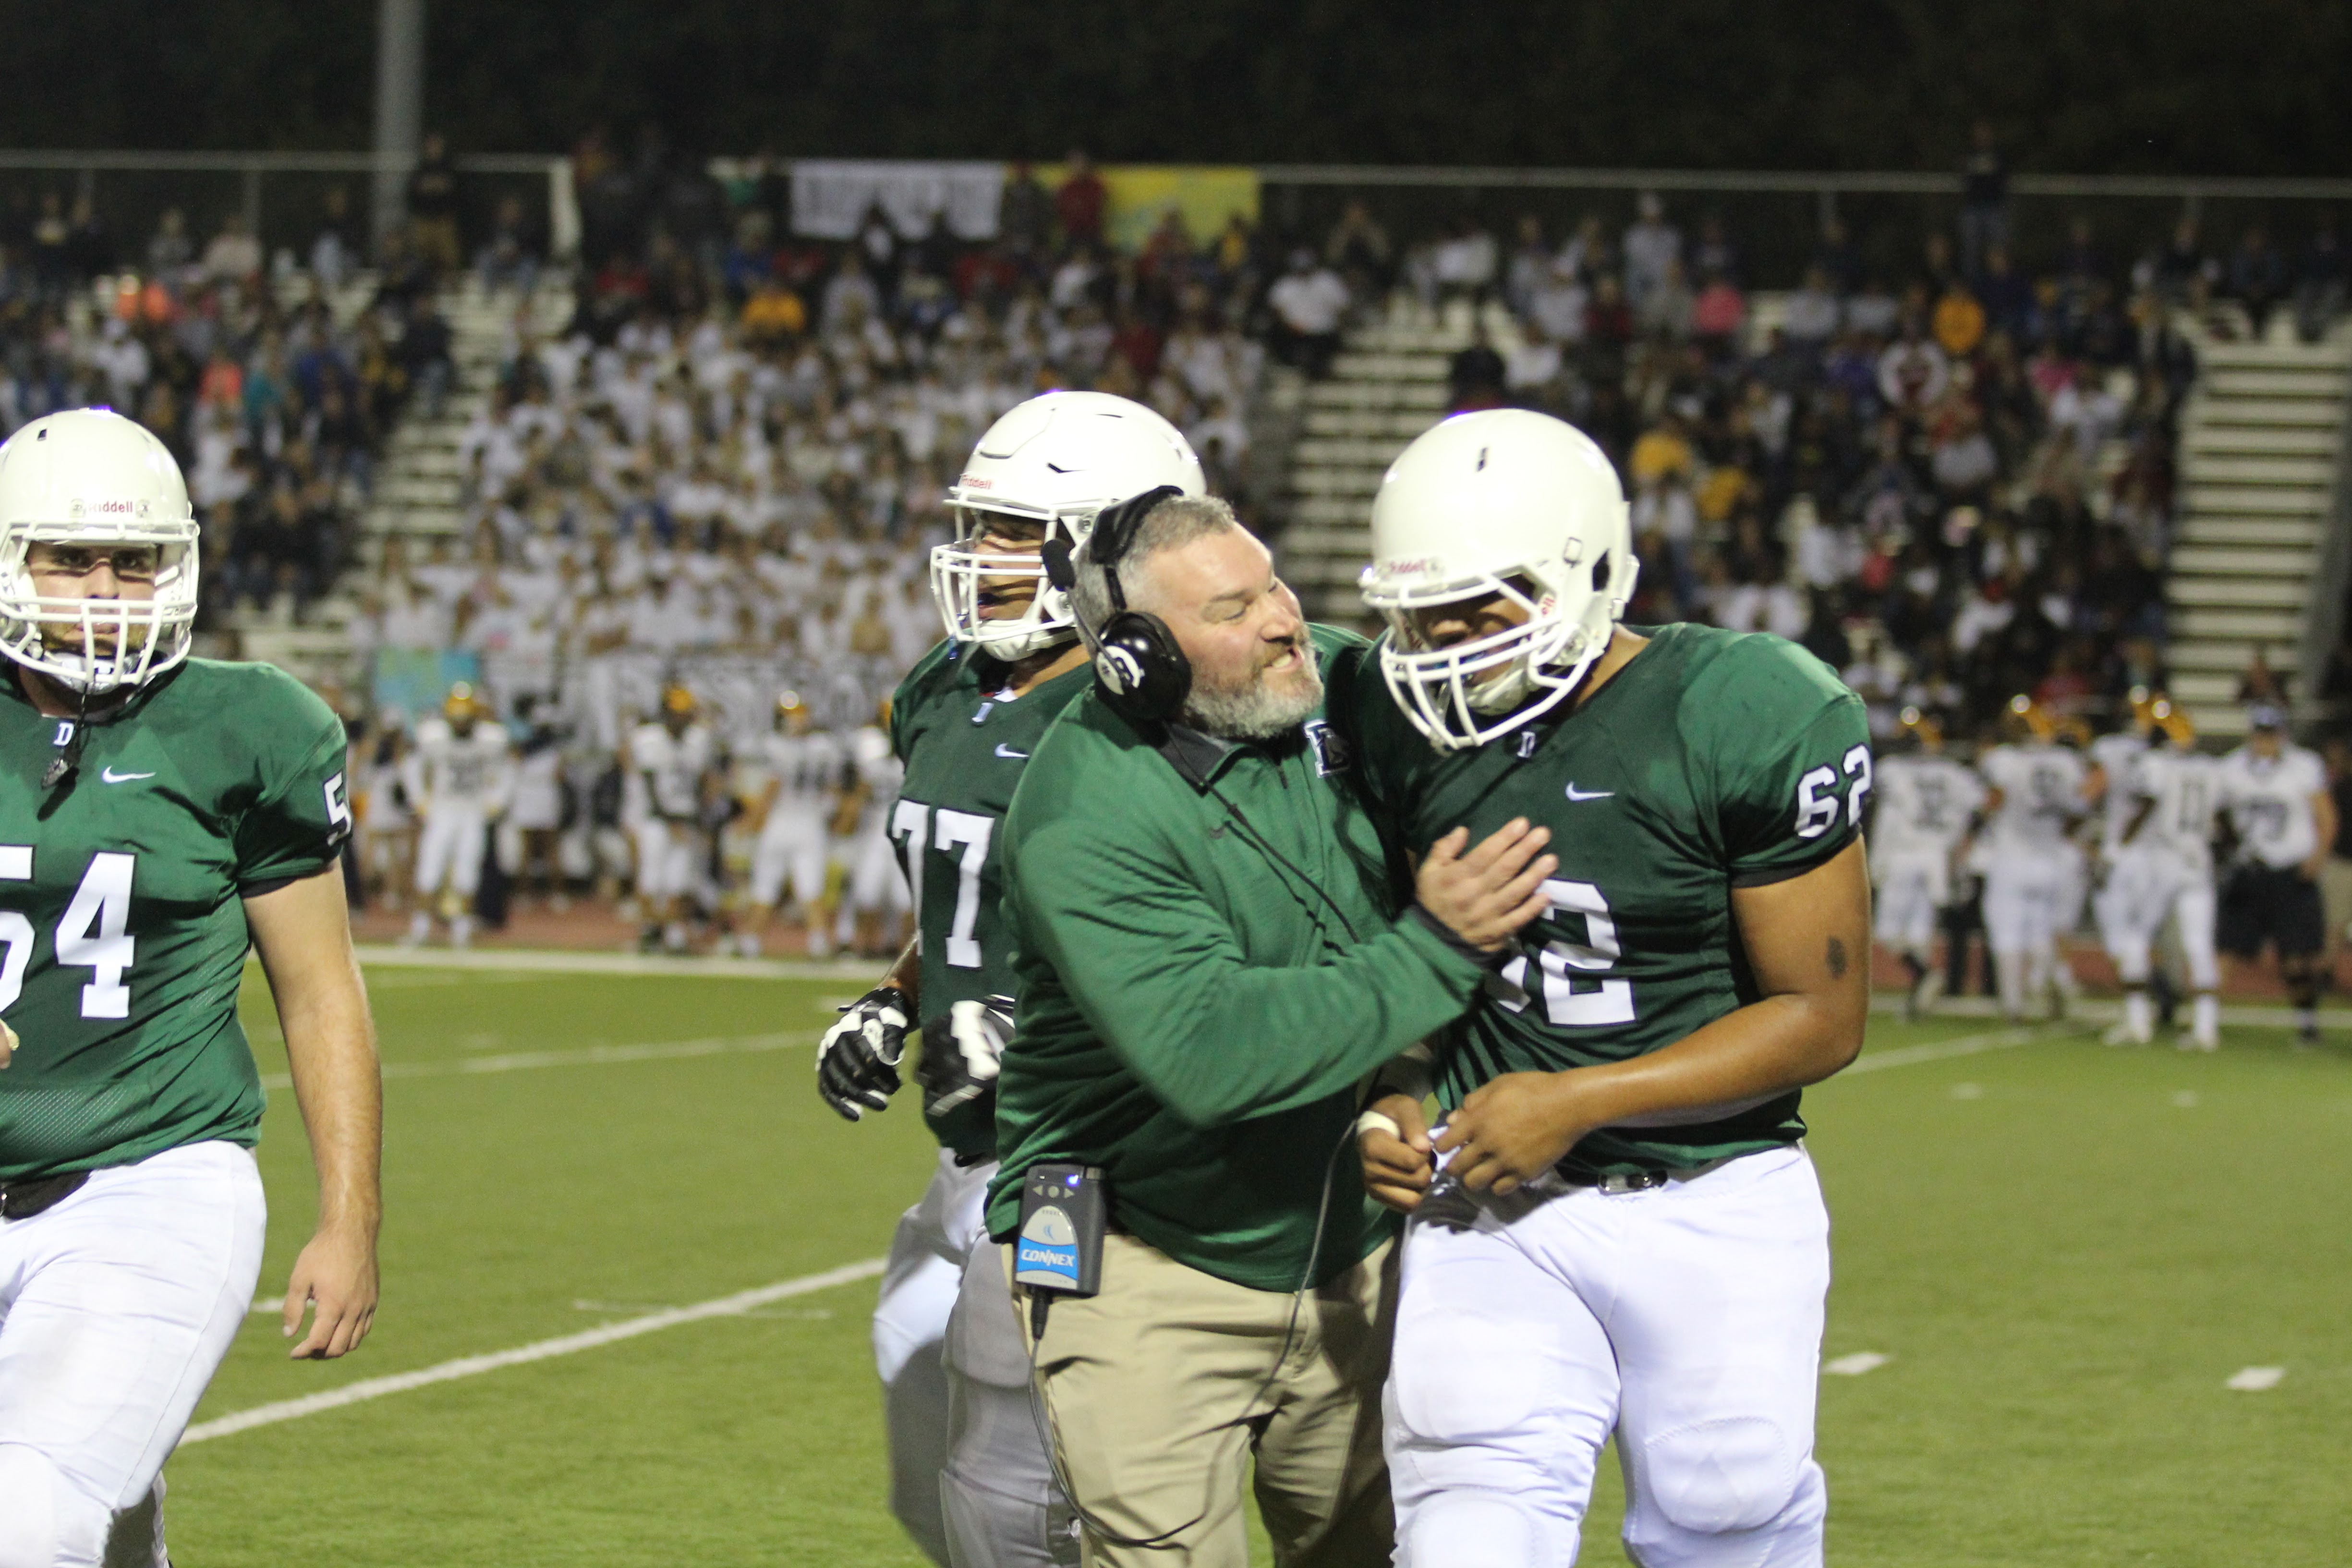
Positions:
{"x": 965, "y": 573}
{"x": 97, "y": 646}
{"x": 1475, "y": 691}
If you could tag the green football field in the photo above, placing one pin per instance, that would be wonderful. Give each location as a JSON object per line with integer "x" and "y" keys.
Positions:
{"x": 2063, "y": 1253}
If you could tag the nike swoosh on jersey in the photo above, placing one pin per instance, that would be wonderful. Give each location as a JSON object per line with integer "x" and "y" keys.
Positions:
{"x": 110, "y": 776}
{"x": 1575, "y": 793}
{"x": 1009, "y": 754}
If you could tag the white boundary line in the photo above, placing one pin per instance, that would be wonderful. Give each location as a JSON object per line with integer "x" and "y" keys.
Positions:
{"x": 587, "y": 1055}
{"x": 545, "y": 961}
{"x": 741, "y": 1302}
{"x": 2107, "y": 1010}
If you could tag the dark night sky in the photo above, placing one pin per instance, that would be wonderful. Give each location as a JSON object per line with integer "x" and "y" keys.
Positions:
{"x": 2091, "y": 86}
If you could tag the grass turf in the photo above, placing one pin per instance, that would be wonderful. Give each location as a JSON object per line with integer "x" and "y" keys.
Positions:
{"x": 2064, "y": 1250}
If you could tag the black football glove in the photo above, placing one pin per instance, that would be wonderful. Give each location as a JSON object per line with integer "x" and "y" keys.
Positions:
{"x": 858, "y": 1060}
{"x": 962, "y": 1053}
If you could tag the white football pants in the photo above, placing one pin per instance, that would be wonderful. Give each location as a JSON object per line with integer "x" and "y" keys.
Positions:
{"x": 449, "y": 846}
{"x": 2148, "y": 886}
{"x": 969, "y": 1475}
{"x": 791, "y": 853}
{"x": 116, "y": 1308}
{"x": 1687, "y": 1318}
{"x": 667, "y": 858}
{"x": 1914, "y": 886}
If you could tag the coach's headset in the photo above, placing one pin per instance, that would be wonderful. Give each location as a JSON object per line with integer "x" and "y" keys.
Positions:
{"x": 1139, "y": 669}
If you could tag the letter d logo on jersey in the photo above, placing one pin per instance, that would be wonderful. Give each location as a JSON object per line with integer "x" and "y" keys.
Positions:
{"x": 1048, "y": 1252}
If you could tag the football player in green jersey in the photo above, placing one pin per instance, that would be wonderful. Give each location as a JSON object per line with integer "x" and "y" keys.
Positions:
{"x": 968, "y": 1466}
{"x": 1614, "y": 1227}
{"x": 158, "y": 814}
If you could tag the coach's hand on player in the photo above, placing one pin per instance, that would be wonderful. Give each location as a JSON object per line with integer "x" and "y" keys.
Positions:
{"x": 1513, "y": 1129}
{"x": 336, "y": 1274}
{"x": 1397, "y": 1165}
{"x": 858, "y": 1060}
{"x": 1483, "y": 895}
{"x": 8, "y": 1043}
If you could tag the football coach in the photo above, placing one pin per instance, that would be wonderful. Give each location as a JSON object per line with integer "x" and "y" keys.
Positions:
{"x": 1210, "y": 964}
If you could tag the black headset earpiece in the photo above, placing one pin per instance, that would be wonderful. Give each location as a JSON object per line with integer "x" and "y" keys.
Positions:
{"x": 1139, "y": 669}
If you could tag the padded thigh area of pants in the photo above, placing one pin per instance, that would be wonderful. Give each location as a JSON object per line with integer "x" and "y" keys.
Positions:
{"x": 1710, "y": 1477}
{"x": 1479, "y": 1389}
{"x": 44, "y": 1523}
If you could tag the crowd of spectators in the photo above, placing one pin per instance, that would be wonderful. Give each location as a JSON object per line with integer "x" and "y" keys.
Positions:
{"x": 1953, "y": 479}
{"x": 727, "y": 469}
{"x": 273, "y": 399}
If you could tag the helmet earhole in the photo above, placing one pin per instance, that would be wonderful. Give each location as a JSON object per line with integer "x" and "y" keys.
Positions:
{"x": 1601, "y": 575}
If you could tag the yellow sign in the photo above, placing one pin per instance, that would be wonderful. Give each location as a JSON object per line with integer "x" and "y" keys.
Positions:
{"x": 1141, "y": 195}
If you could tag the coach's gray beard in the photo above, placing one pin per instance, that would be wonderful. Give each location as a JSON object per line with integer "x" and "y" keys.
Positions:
{"x": 1254, "y": 713}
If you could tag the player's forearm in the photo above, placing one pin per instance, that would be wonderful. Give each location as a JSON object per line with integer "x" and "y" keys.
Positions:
{"x": 330, "y": 1050}
{"x": 1762, "y": 1050}
{"x": 907, "y": 974}
{"x": 302, "y": 931}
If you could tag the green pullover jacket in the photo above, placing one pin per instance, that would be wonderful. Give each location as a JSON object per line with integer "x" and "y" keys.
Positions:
{"x": 1209, "y": 959}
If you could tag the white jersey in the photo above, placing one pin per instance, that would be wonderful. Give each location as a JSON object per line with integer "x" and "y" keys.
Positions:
{"x": 672, "y": 767}
{"x": 2183, "y": 793}
{"x": 447, "y": 771}
{"x": 1923, "y": 802}
{"x": 808, "y": 770}
{"x": 2042, "y": 795}
{"x": 2118, "y": 756}
{"x": 2270, "y": 803}
{"x": 539, "y": 790}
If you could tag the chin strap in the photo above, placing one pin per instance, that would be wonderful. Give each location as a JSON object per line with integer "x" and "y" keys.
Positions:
{"x": 69, "y": 758}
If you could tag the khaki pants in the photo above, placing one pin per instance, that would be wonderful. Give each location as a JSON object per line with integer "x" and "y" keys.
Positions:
{"x": 2335, "y": 893}
{"x": 1160, "y": 1390}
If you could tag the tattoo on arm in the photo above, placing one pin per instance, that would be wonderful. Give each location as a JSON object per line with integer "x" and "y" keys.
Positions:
{"x": 1837, "y": 958}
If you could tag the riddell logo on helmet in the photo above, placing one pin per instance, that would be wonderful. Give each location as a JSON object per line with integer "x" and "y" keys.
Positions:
{"x": 970, "y": 483}
{"x": 1420, "y": 567}
{"x": 79, "y": 509}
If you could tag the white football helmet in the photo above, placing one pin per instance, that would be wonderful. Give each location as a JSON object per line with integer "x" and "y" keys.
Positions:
{"x": 1502, "y": 502}
{"x": 89, "y": 476}
{"x": 1056, "y": 459}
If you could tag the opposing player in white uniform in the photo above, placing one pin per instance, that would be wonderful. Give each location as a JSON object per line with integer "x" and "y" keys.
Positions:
{"x": 2276, "y": 795}
{"x": 806, "y": 769}
{"x": 1925, "y": 801}
{"x": 159, "y": 816}
{"x": 875, "y": 900}
{"x": 673, "y": 759}
{"x": 460, "y": 775}
{"x": 2033, "y": 799}
{"x": 2108, "y": 789}
{"x": 2163, "y": 870}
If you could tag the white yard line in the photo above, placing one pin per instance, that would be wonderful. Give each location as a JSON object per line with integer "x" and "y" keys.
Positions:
{"x": 1965, "y": 1046}
{"x": 1854, "y": 1366}
{"x": 2254, "y": 1379}
{"x": 586, "y": 1057}
{"x": 735, "y": 1306}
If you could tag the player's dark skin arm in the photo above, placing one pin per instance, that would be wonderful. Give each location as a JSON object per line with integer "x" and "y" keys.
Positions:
{"x": 1808, "y": 944}
{"x": 302, "y": 931}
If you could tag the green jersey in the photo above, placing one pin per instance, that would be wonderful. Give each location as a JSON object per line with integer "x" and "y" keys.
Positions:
{"x": 964, "y": 741}
{"x": 1711, "y": 761}
{"x": 1210, "y": 959}
{"x": 119, "y": 906}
